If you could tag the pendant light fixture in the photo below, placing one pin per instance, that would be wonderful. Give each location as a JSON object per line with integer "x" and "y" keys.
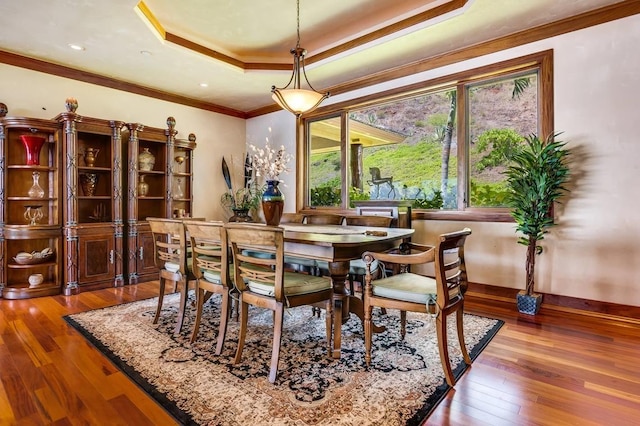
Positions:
{"x": 295, "y": 99}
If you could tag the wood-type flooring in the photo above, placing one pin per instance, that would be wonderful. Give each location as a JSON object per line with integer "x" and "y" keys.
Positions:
{"x": 560, "y": 367}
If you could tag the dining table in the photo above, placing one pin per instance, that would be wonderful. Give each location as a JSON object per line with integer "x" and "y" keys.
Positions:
{"x": 338, "y": 245}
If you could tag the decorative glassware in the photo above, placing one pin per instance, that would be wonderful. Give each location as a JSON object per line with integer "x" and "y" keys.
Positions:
{"x": 88, "y": 182}
{"x": 179, "y": 160}
{"x": 272, "y": 203}
{"x": 146, "y": 160}
{"x": 33, "y": 214}
{"x": 32, "y": 144}
{"x": 143, "y": 187}
{"x": 90, "y": 155}
{"x": 178, "y": 191}
{"x": 36, "y": 190}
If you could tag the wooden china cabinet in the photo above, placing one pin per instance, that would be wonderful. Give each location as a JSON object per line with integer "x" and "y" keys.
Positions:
{"x": 74, "y": 197}
{"x": 159, "y": 184}
{"x": 30, "y": 210}
{"x": 93, "y": 204}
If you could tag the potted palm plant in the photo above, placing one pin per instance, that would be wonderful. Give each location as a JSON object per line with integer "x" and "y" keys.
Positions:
{"x": 535, "y": 180}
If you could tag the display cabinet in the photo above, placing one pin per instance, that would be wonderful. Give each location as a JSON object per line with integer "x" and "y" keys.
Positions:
{"x": 30, "y": 209}
{"x": 93, "y": 206}
{"x": 159, "y": 184}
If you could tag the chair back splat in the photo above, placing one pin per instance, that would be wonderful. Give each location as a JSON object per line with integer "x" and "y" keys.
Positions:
{"x": 292, "y": 218}
{"x": 210, "y": 265}
{"x": 408, "y": 290}
{"x": 170, "y": 247}
{"x": 263, "y": 282}
{"x": 324, "y": 219}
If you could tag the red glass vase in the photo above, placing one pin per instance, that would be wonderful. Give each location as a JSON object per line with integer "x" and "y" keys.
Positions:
{"x": 32, "y": 144}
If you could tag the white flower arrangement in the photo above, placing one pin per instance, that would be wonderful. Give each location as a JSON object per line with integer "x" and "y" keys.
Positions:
{"x": 269, "y": 162}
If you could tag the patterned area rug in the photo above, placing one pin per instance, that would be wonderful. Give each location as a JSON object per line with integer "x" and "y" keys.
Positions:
{"x": 402, "y": 386}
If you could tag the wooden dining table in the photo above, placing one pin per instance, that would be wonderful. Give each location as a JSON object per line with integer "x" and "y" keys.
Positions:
{"x": 338, "y": 245}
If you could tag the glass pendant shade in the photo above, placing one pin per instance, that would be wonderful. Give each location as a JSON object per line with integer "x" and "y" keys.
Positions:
{"x": 297, "y": 101}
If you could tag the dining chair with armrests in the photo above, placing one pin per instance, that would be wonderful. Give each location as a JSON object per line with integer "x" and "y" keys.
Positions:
{"x": 264, "y": 283}
{"x": 210, "y": 265}
{"x": 170, "y": 247}
{"x": 410, "y": 291}
{"x": 357, "y": 268}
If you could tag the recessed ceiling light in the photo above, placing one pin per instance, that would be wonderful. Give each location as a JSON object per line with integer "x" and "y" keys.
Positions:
{"x": 145, "y": 53}
{"x": 76, "y": 46}
{"x": 204, "y": 85}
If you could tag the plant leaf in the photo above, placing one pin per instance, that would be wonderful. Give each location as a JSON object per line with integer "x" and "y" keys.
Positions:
{"x": 248, "y": 170}
{"x": 226, "y": 174}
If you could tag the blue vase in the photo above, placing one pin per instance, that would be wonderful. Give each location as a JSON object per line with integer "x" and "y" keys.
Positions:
{"x": 272, "y": 203}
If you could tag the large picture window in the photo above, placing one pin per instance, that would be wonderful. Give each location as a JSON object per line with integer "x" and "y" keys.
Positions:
{"x": 443, "y": 147}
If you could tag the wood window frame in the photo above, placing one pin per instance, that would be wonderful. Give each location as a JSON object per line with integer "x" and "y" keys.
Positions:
{"x": 541, "y": 61}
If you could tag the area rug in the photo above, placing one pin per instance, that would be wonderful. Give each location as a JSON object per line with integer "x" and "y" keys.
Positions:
{"x": 402, "y": 386}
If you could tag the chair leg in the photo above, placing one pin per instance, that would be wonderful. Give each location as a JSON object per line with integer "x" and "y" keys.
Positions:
{"x": 403, "y": 323}
{"x": 224, "y": 316}
{"x": 184, "y": 292}
{"x": 160, "y": 299}
{"x": 235, "y": 305}
{"x": 277, "y": 339}
{"x": 443, "y": 347}
{"x": 463, "y": 346}
{"x": 329, "y": 324}
{"x": 244, "y": 315}
{"x": 367, "y": 333}
{"x": 199, "y": 304}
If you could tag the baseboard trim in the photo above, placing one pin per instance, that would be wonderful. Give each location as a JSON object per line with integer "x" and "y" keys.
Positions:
{"x": 555, "y": 302}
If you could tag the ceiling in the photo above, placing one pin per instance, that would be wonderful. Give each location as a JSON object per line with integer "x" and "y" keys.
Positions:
{"x": 240, "y": 48}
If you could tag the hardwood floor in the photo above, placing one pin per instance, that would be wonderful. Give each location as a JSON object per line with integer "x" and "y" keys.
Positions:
{"x": 559, "y": 367}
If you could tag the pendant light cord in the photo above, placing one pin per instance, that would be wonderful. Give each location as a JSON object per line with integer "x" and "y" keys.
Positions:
{"x": 298, "y": 23}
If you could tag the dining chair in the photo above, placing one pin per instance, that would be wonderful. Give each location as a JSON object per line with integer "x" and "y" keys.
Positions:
{"x": 210, "y": 265}
{"x": 324, "y": 219}
{"x": 292, "y": 218}
{"x": 170, "y": 248}
{"x": 410, "y": 291}
{"x": 264, "y": 283}
{"x": 357, "y": 268}
{"x": 298, "y": 264}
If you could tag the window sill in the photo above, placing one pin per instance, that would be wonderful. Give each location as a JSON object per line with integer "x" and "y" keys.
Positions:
{"x": 469, "y": 215}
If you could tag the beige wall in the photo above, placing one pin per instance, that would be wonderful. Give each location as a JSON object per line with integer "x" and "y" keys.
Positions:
{"x": 33, "y": 94}
{"x": 593, "y": 253}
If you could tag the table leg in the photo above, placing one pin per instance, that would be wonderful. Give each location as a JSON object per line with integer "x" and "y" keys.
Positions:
{"x": 339, "y": 272}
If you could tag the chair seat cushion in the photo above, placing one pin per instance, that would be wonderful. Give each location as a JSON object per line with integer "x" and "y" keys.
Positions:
{"x": 300, "y": 261}
{"x": 294, "y": 284}
{"x": 356, "y": 267}
{"x": 359, "y": 267}
{"x": 171, "y": 267}
{"x": 407, "y": 287}
{"x": 259, "y": 254}
{"x": 212, "y": 276}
